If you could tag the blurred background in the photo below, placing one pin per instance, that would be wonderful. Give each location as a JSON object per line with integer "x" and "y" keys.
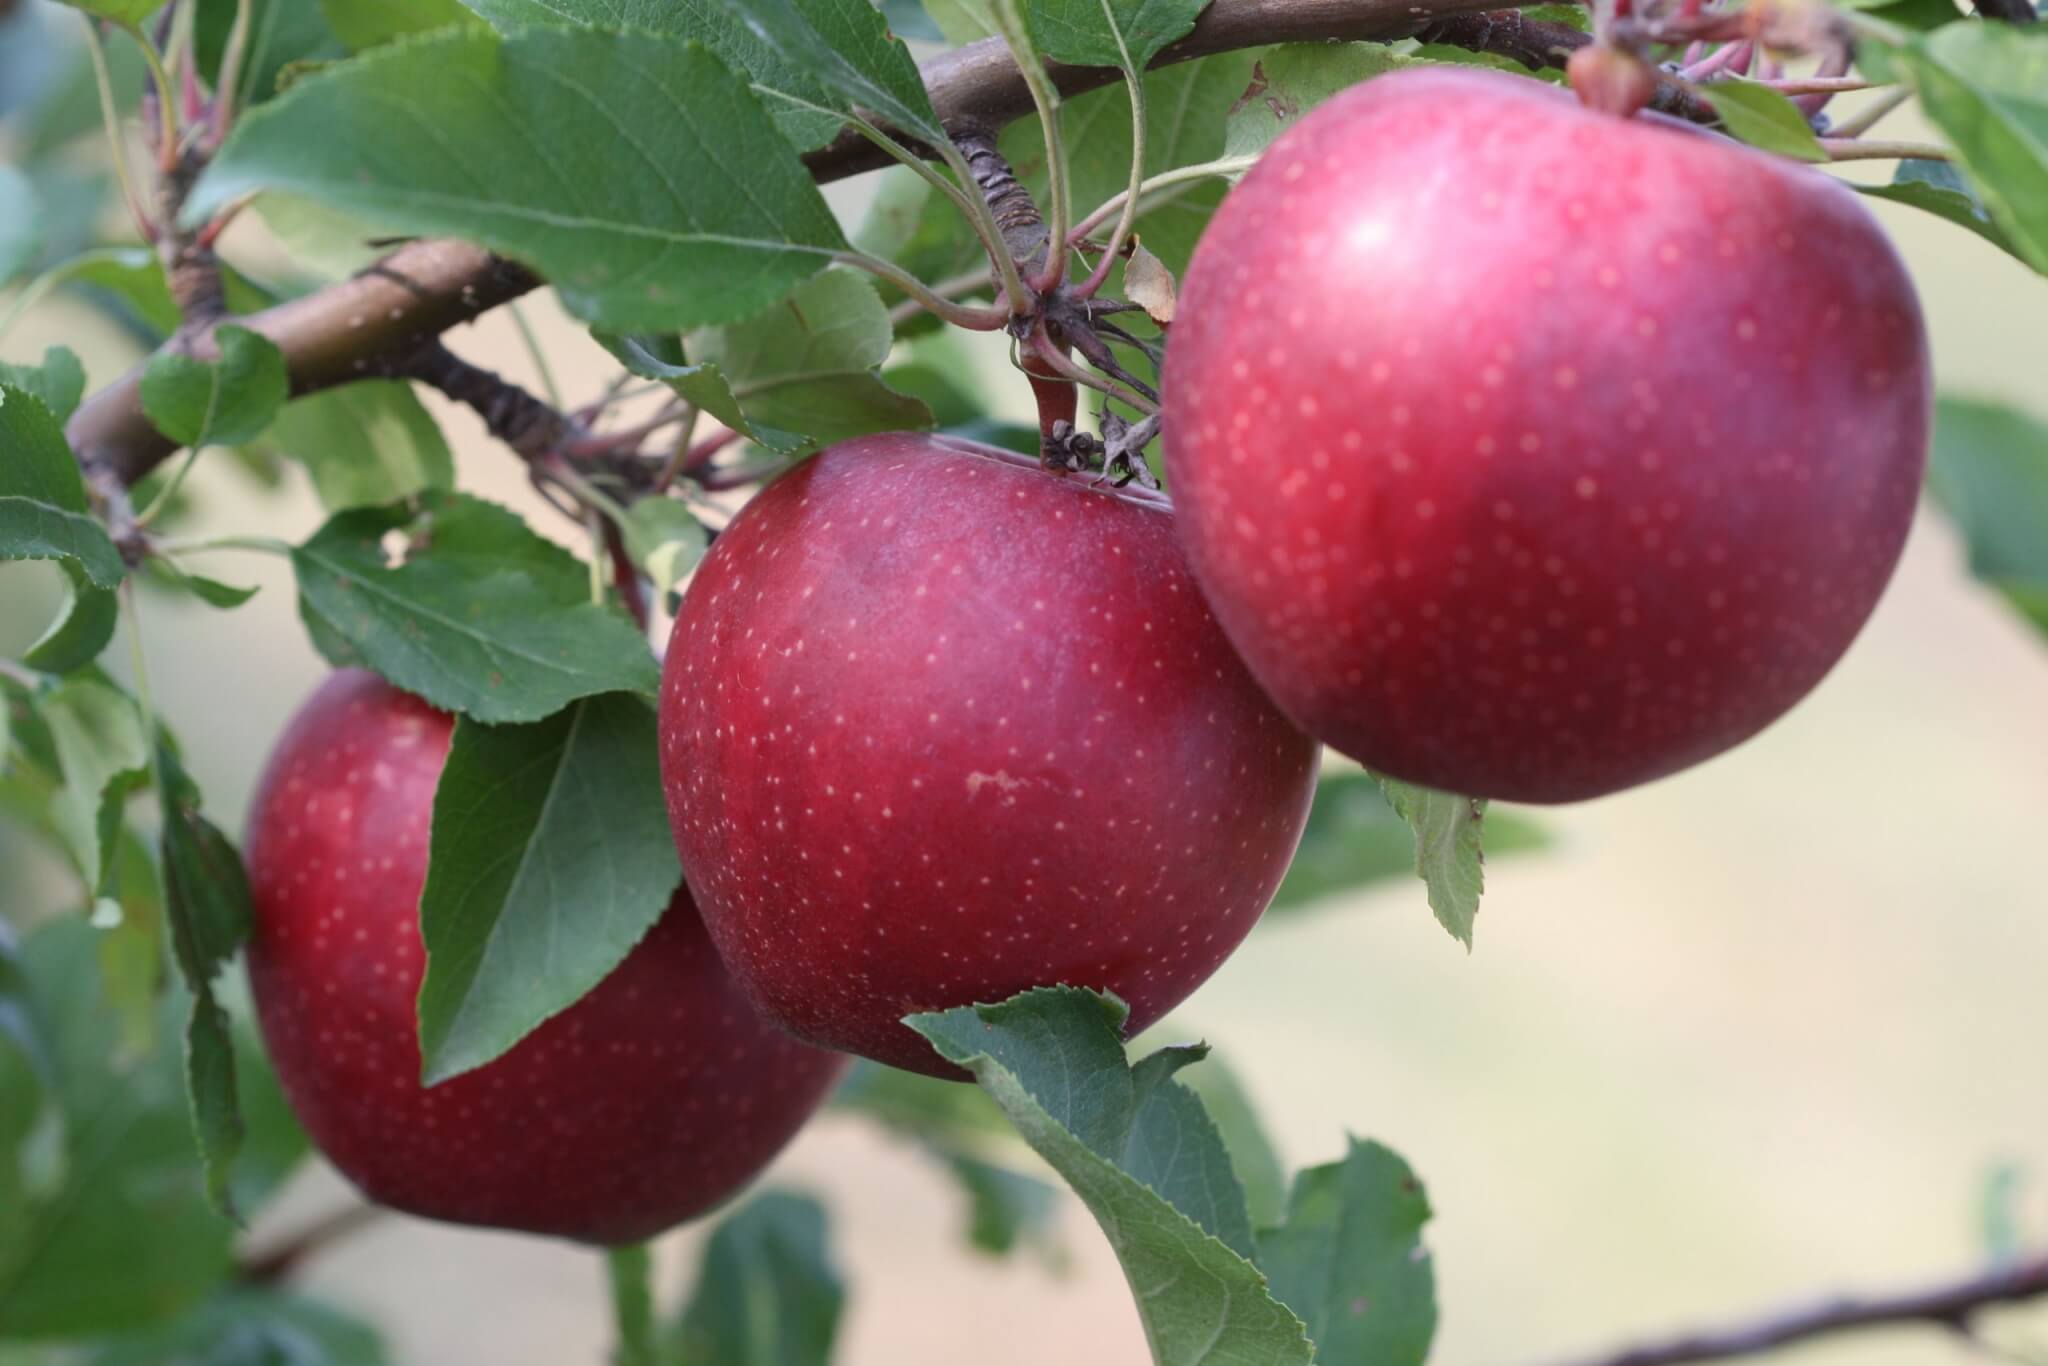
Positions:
{"x": 1763, "y": 1030}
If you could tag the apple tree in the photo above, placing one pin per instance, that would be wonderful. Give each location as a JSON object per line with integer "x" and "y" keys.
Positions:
{"x": 1435, "y": 404}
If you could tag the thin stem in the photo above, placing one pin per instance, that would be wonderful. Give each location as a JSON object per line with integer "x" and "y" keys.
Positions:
{"x": 1816, "y": 85}
{"x": 965, "y": 283}
{"x": 268, "y": 1268}
{"x": 973, "y": 319}
{"x": 629, "y": 1270}
{"x": 1046, "y": 100}
{"x": 110, "y": 115}
{"x": 230, "y": 75}
{"x": 979, "y": 218}
{"x": 1855, "y": 149}
{"x": 268, "y": 545}
{"x": 593, "y": 497}
{"x": 1134, "y": 81}
{"x": 531, "y": 340}
{"x": 1954, "y": 1306}
{"x": 1869, "y": 116}
{"x": 170, "y": 488}
{"x": 682, "y": 453}
{"x": 166, "y": 99}
{"x": 1015, "y": 292}
{"x": 140, "y": 665}
{"x": 1199, "y": 171}
{"x": 593, "y": 523}
{"x": 1044, "y": 350}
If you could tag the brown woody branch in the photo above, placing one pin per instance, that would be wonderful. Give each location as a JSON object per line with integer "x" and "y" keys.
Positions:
{"x": 369, "y": 324}
{"x": 1955, "y": 1306}
{"x": 1536, "y": 44}
{"x": 2011, "y": 11}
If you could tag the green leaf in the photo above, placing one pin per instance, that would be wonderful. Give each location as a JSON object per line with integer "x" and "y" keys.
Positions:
{"x": 80, "y": 631}
{"x": 1186, "y": 106}
{"x": 635, "y": 172}
{"x": 767, "y": 1294}
{"x": 550, "y": 859}
{"x": 711, "y": 24}
{"x": 248, "y": 1326}
{"x": 217, "y": 403}
{"x": 125, "y": 12}
{"x": 1294, "y": 78}
{"x": 212, "y": 592}
{"x": 483, "y": 617}
{"x": 1448, "y": 858}
{"x": 365, "y": 443}
{"x": 1252, "y": 1155}
{"x": 1052, "y": 1060}
{"x": 956, "y": 413}
{"x": 1989, "y": 472}
{"x": 1354, "y": 837}
{"x": 59, "y": 381}
{"x": 1004, "y": 1207}
{"x": 911, "y": 223}
{"x": 1985, "y": 86}
{"x": 907, "y": 19}
{"x": 1350, "y": 1259}
{"x": 210, "y": 1092}
{"x": 21, "y": 233}
{"x": 962, "y": 1129}
{"x": 369, "y": 23}
{"x": 125, "y": 1236}
{"x": 1126, "y": 34}
{"x": 1913, "y": 14}
{"x": 100, "y": 748}
{"x": 282, "y": 33}
{"x": 804, "y": 371}
{"x": 1936, "y": 187}
{"x": 846, "y": 47}
{"x": 207, "y": 904}
{"x": 1766, "y": 118}
{"x": 207, "y": 893}
{"x": 661, "y": 358}
{"x": 42, "y": 499}
{"x": 665, "y": 539}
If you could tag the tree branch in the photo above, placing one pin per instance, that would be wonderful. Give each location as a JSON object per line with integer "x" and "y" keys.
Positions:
{"x": 1954, "y": 1306}
{"x": 351, "y": 330}
{"x": 2011, "y": 11}
{"x": 1536, "y": 44}
{"x": 365, "y": 325}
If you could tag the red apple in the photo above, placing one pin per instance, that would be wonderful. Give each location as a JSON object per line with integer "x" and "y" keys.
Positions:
{"x": 1533, "y": 453}
{"x": 939, "y": 726}
{"x": 650, "y": 1100}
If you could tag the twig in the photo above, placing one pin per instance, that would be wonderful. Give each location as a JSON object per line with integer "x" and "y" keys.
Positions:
{"x": 1537, "y": 44}
{"x": 529, "y": 425}
{"x": 359, "y": 327}
{"x": 1856, "y": 149}
{"x": 277, "y": 1264}
{"x": 1867, "y": 118}
{"x": 2010, "y": 11}
{"x": 1954, "y": 1306}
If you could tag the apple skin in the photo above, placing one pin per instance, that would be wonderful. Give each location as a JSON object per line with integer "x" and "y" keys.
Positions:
{"x": 938, "y": 727}
{"x": 649, "y": 1101}
{"x": 1527, "y": 452}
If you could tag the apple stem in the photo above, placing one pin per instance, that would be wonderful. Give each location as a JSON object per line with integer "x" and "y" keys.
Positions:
{"x": 1058, "y": 398}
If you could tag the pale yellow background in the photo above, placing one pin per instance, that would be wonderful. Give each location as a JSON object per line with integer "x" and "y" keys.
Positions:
{"x": 1757, "y": 1031}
